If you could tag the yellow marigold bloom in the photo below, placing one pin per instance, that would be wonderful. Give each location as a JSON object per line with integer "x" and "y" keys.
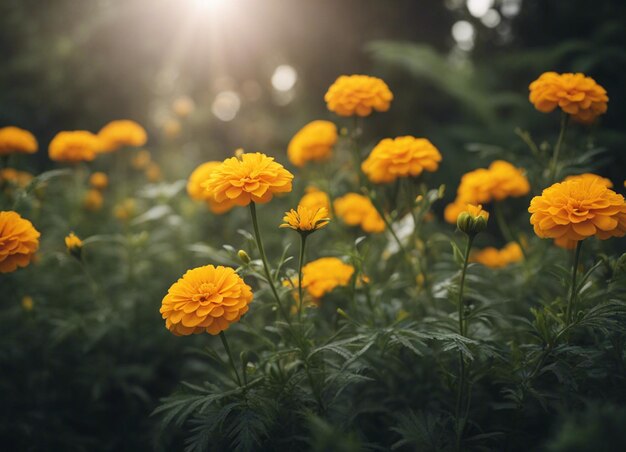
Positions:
{"x": 314, "y": 198}
{"x": 577, "y": 209}
{"x": 13, "y": 139}
{"x": 99, "y": 180}
{"x": 93, "y": 200}
{"x": 358, "y": 95}
{"x": 495, "y": 258}
{"x": 18, "y": 241}
{"x": 313, "y": 143}
{"x": 253, "y": 178}
{"x": 153, "y": 172}
{"x": 120, "y": 133}
{"x": 125, "y": 209}
{"x": 74, "y": 146}
{"x": 305, "y": 219}
{"x": 400, "y": 157}
{"x": 358, "y": 210}
{"x": 197, "y": 192}
{"x": 576, "y": 94}
{"x": 507, "y": 181}
{"x": 15, "y": 177}
{"x": 27, "y": 303}
{"x": 205, "y": 299}
{"x": 603, "y": 180}
{"x": 321, "y": 276}
{"x": 183, "y": 106}
{"x": 73, "y": 244}
{"x": 141, "y": 160}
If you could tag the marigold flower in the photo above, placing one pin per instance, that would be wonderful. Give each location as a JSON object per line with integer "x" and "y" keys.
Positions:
{"x": 321, "y": 276}
{"x": 313, "y": 143}
{"x": 197, "y": 192}
{"x": 207, "y": 299}
{"x": 120, "y": 133}
{"x": 453, "y": 210}
{"x": 565, "y": 243}
{"x": 314, "y": 198}
{"x": 253, "y": 178}
{"x": 74, "y": 245}
{"x": 74, "y": 146}
{"x": 473, "y": 219}
{"x": 358, "y": 95}
{"x": 358, "y": 210}
{"x": 400, "y": 157}
{"x": 15, "y": 177}
{"x": 305, "y": 219}
{"x": 13, "y": 139}
{"x": 603, "y": 180}
{"x": 141, "y": 160}
{"x": 576, "y": 94}
{"x": 507, "y": 181}
{"x": 93, "y": 200}
{"x": 19, "y": 240}
{"x": 27, "y": 303}
{"x": 495, "y": 258}
{"x": 183, "y": 106}
{"x": 577, "y": 209}
{"x": 99, "y": 180}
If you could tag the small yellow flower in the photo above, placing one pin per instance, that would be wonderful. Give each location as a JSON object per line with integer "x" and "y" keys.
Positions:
{"x": 74, "y": 146}
{"x": 27, "y": 303}
{"x": 357, "y": 210}
{"x": 13, "y": 139}
{"x": 99, "y": 180}
{"x": 74, "y": 245}
{"x": 313, "y": 143}
{"x": 358, "y": 95}
{"x": 305, "y": 220}
{"x": 121, "y": 133}
{"x": 93, "y": 200}
{"x": 19, "y": 240}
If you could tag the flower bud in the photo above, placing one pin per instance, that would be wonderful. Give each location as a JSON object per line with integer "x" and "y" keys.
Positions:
{"x": 243, "y": 256}
{"x": 74, "y": 245}
{"x": 473, "y": 220}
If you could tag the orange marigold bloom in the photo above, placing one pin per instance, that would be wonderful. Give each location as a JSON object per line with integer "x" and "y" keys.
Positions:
{"x": 400, "y": 157}
{"x": 313, "y": 143}
{"x": 358, "y": 210}
{"x": 507, "y": 181}
{"x": 120, "y": 133}
{"x": 495, "y": 258}
{"x": 93, "y": 200}
{"x": 253, "y": 178}
{"x": 603, "y": 180}
{"x": 314, "y": 198}
{"x": 576, "y": 94}
{"x": 453, "y": 210}
{"x": 15, "y": 177}
{"x": 305, "y": 219}
{"x": 565, "y": 243}
{"x": 19, "y": 240}
{"x": 74, "y": 146}
{"x": 99, "y": 180}
{"x": 577, "y": 209}
{"x": 358, "y": 95}
{"x": 13, "y": 139}
{"x": 321, "y": 276}
{"x": 207, "y": 299}
{"x": 197, "y": 192}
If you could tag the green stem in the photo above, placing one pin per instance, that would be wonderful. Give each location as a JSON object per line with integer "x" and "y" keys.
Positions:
{"x": 230, "y": 356}
{"x": 557, "y": 148}
{"x": 300, "y": 263}
{"x": 506, "y": 230}
{"x": 572, "y": 296}
{"x": 266, "y": 267}
{"x": 355, "y": 151}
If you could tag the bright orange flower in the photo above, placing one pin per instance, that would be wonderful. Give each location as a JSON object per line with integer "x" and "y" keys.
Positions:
{"x": 19, "y": 240}
{"x": 75, "y": 146}
{"x": 206, "y": 299}
{"x": 305, "y": 219}
{"x": 15, "y": 177}
{"x": 358, "y": 95}
{"x": 196, "y": 190}
{"x": 358, "y": 210}
{"x": 577, "y": 209}
{"x": 99, "y": 180}
{"x": 121, "y": 133}
{"x": 400, "y": 157}
{"x": 253, "y": 178}
{"x": 13, "y": 139}
{"x": 313, "y": 143}
{"x": 495, "y": 258}
{"x": 321, "y": 276}
{"x": 603, "y": 180}
{"x": 576, "y": 94}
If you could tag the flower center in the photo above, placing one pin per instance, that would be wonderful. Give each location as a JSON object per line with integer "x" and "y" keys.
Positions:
{"x": 205, "y": 292}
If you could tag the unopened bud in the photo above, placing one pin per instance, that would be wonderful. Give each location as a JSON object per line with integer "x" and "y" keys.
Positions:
{"x": 243, "y": 256}
{"x": 74, "y": 245}
{"x": 473, "y": 220}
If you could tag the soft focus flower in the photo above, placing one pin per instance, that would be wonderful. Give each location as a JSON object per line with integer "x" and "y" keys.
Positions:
{"x": 603, "y": 180}
{"x": 400, "y": 157}
{"x": 121, "y": 133}
{"x": 305, "y": 219}
{"x": 322, "y": 275}
{"x": 99, "y": 180}
{"x": 495, "y": 258}
{"x": 472, "y": 220}
{"x": 141, "y": 160}
{"x": 253, "y": 178}
{"x": 313, "y": 143}
{"x": 13, "y": 139}
{"x": 183, "y": 106}
{"x": 18, "y": 178}
{"x": 125, "y": 210}
{"x": 18, "y": 241}
{"x": 74, "y": 245}
{"x": 314, "y": 198}
{"x": 577, "y": 209}
{"x": 507, "y": 181}
{"x": 153, "y": 172}
{"x": 358, "y": 210}
{"x": 74, "y": 146}
{"x": 172, "y": 128}
{"x": 358, "y": 95}
{"x": 197, "y": 192}
{"x": 205, "y": 299}
{"x": 576, "y": 94}
{"x": 453, "y": 210}
{"x": 27, "y": 303}
{"x": 93, "y": 200}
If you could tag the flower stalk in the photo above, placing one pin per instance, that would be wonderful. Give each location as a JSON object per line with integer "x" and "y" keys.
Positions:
{"x": 303, "y": 237}
{"x": 572, "y": 297}
{"x": 557, "y": 148}
{"x": 230, "y": 356}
